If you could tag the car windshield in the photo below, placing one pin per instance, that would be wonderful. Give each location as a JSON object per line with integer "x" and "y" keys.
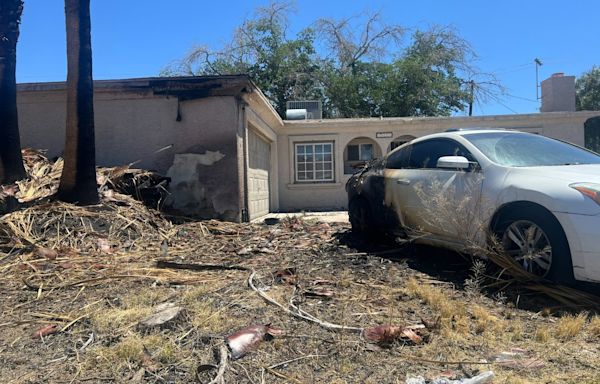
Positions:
{"x": 528, "y": 150}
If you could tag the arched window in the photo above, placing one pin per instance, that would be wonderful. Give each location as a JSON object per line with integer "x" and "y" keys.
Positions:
{"x": 398, "y": 141}
{"x": 359, "y": 151}
{"x": 592, "y": 134}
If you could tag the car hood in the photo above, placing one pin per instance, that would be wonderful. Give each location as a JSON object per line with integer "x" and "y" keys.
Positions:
{"x": 549, "y": 186}
{"x": 568, "y": 173}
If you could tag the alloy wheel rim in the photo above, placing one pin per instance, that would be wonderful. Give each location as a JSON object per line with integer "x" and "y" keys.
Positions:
{"x": 529, "y": 246}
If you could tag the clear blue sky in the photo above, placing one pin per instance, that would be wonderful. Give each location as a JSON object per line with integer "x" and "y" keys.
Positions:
{"x": 136, "y": 38}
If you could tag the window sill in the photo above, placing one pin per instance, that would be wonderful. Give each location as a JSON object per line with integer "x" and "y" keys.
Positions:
{"x": 314, "y": 185}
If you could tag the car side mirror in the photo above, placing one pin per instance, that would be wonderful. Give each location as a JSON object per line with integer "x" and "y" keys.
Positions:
{"x": 453, "y": 162}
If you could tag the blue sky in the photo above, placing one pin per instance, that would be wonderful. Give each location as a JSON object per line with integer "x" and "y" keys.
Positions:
{"x": 137, "y": 38}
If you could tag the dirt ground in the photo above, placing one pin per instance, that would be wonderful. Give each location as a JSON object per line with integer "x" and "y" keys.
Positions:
{"x": 86, "y": 278}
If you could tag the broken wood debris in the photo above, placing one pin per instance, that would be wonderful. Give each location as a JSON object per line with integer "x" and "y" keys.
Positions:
{"x": 198, "y": 267}
{"x": 385, "y": 334}
{"x": 297, "y": 312}
{"x": 45, "y": 331}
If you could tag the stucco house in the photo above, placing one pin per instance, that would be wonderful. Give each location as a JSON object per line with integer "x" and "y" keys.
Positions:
{"x": 229, "y": 154}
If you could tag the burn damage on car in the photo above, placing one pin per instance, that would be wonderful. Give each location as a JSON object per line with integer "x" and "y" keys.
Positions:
{"x": 366, "y": 192}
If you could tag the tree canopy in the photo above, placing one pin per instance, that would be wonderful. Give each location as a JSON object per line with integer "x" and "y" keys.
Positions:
{"x": 587, "y": 88}
{"x": 358, "y": 67}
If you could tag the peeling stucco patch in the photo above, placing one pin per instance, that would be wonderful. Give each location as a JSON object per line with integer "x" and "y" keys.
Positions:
{"x": 208, "y": 158}
{"x": 191, "y": 191}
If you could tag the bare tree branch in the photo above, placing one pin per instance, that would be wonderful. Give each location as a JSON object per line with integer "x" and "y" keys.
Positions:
{"x": 374, "y": 39}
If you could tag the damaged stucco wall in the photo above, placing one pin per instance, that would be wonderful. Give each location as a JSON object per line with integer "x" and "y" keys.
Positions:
{"x": 189, "y": 189}
{"x": 200, "y": 151}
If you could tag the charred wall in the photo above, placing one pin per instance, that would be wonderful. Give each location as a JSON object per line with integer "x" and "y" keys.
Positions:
{"x": 192, "y": 141}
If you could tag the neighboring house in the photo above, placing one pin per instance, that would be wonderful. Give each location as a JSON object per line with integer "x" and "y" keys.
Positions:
{"x": 230, "y": 155}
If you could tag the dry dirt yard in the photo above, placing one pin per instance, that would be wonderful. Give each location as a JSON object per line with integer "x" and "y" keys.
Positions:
{"x": 76, "y": 285}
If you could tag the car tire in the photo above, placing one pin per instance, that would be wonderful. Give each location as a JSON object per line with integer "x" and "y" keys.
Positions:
{"x": 534, "y": 237}
{"x": 360, "y": 217}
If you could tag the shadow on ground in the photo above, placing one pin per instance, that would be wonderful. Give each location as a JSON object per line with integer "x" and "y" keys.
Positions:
{"x": 452, "y": 267}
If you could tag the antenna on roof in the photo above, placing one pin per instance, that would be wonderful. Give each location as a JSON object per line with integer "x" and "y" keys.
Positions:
{"x": 538, "y": 64}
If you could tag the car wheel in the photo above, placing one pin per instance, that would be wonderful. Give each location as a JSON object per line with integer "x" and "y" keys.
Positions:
{"x": 358, "y": 212}
{"x": 537, "y": 242}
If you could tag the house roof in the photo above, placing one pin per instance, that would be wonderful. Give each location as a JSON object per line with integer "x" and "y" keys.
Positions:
{"x": 184, "y": 87}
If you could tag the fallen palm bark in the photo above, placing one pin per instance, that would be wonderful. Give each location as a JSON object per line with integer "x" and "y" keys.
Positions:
{"x": 389, "y": 333}
{"x": 299, "y": 313}
{"x": 247, "y": 339}
{"x": 568, "y": 296}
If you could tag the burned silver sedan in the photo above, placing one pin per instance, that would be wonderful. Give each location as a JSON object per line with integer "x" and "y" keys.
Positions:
{"x": 539, "y": 197}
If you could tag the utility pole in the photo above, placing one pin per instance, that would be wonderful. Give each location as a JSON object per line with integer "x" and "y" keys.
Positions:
{"x": 472, "y": 91}
{"x": 538, "y": 64}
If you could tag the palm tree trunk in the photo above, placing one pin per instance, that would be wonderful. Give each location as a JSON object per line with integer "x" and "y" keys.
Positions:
{"x": 78, "y": 179}
{"x": 11, "y": 160}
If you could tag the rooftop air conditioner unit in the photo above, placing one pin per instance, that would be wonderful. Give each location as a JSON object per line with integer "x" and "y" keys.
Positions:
{"x": 314, "y": 108}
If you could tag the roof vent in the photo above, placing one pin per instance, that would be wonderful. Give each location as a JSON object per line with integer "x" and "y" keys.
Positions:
{"x": 314, "y": 108}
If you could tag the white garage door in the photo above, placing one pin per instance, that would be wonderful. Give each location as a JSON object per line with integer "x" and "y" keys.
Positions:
{"x": 259, "y": 160}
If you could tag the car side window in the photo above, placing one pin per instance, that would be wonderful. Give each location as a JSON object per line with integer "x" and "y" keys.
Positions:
{"x": 399, "y": 159}
{"x": 425, "y": 154}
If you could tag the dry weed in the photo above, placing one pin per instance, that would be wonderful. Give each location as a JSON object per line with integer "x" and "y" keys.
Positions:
{"x": 594, "y": 326}
{"x": 137, "y": 349}
{"x": 542, "y": 334}
{"x": 484, "y": 320}
{"x": 112, "y": 319}
{"x": 514, "y": 331}
{"x": 569, "y": 326}
{"x": 436, "y": 299}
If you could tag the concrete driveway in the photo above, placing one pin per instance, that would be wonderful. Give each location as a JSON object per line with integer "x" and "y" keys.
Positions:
{"x": 324, "y": 217}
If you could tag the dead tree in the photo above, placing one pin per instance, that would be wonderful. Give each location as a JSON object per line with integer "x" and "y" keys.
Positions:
{"x": 78, "y": 179}
{"x": 11, "y": 160}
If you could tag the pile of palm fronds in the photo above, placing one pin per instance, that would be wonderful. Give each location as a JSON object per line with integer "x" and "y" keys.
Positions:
{"x": 44, "y": 177}
{"x": 509, "y": 272}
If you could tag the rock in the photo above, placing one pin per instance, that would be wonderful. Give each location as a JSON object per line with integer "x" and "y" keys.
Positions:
{"x": 138, "y": 377}
{"x": 163, "y": 315}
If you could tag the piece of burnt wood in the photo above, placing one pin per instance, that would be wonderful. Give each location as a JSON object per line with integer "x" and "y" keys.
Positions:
{"x": 198, "y": 267}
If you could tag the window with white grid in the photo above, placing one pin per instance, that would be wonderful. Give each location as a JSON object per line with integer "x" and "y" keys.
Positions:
{"x": 314, "y": 162}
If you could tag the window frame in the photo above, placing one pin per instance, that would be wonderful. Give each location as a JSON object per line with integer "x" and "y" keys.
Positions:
{"x": 360, "y": 152}
{"x": 407, "y": 163}
{"x": 314, "y": 180}
{"x": 459, "y": 145}
{"x": 401, "y": 156}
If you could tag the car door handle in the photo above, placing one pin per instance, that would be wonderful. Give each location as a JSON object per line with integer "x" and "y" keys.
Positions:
{"x": 403, "y": 181}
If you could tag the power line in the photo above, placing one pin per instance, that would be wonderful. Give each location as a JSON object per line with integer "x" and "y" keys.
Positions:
{"x": 512, "y": 69}
{"x": 520, "y": 98}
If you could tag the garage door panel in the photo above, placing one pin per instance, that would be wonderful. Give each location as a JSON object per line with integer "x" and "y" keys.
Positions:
{"x": 259, "y": 161}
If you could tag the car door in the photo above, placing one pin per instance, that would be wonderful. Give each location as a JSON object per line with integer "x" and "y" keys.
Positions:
{"x": 435, "y": 202}
{"x": 396, "y": 185}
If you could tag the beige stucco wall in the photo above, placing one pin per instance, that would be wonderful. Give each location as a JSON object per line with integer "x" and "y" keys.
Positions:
{"x": 302, "y": 196}
{"x": 208, "y": 156}
{"x": 202, "y": 158}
